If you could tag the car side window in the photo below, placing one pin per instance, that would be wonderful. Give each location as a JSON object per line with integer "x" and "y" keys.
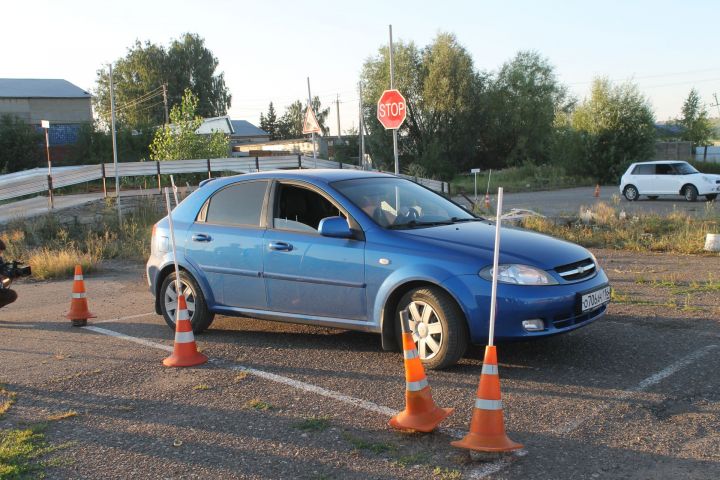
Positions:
{"x": 663, "y": 169}
{"x": 238, "y": 204}
{"x": 301, "y": 209}
{"x": 644, "y": 170}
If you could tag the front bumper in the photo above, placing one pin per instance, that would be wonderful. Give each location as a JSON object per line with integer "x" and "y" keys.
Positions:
{"x": 556, "y": 305}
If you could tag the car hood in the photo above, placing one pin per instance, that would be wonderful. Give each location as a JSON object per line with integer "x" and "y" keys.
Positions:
{"x": 516, "y": 245}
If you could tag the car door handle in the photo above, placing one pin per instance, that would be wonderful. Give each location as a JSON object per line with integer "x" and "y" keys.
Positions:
{"x": 201, "y": 237}
{"x": 280, "y": 246}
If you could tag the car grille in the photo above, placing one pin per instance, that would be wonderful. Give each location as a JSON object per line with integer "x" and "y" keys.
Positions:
{"x": 577, "y": 271}
{"x": 561, "y": 321}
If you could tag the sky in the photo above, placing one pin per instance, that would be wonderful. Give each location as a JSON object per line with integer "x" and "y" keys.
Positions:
{"x": 268, "y": 48}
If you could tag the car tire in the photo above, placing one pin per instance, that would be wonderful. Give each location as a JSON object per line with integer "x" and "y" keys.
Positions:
{"x": 710, "y": 197}
{"x": 200, "y": 316}
{"x": 443, "y": 339}
{"x": 631, "y": 193}
{"x": 653, "y": 197}
{"x": 690, "y": 193}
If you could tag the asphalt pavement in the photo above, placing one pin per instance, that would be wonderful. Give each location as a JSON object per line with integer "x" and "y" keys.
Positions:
{"x": 634, "y": 395}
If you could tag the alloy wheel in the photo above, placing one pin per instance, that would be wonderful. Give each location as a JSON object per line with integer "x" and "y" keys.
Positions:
{"x": 170, "y": 298}
{"x": 426, "y": 329}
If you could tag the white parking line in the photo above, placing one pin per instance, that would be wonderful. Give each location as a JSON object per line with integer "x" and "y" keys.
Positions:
{"x": 478, "y": 473}
{"x": 129, "y": 317}
{"x": 17, "y": 325}
{"x": 654, "y": 379}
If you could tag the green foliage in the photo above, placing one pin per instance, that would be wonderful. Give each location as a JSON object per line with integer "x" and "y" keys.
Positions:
{"x": 290, "y": 125}
{"x": 178, "y": 141}
{"x": 442, "y": 90}
{"x": 694, "y": 120}
{"x": 139, "y": 76}
{"x": 20, "y": 145}
{"x": 94, "y": 145}
{"x": 269, "y": 122}
{"x": 521, "y": 104}
{"x": 616, "y": 127}
{"x": 20, "y": 451}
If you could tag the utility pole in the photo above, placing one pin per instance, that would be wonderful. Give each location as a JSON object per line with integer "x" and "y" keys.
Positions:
{"x": 114, "y": 144}
{"x": 717, "y": 104}
{"x": 337, "y": 107}
{"x": 360, "y": 130}
{"x": 165, "y": 102}
{"x": 392, "y": 86}
{"x": 313, "y": 133}
{"x": 46, "y": 126}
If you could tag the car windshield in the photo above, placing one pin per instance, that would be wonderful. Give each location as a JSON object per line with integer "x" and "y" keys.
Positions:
{"x": 684, "y": 168}
{"x": 400, "y": 204}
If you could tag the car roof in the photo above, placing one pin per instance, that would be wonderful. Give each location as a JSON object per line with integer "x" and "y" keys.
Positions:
{"x": 655, "y": 162}
{"x": 318, "y": 175}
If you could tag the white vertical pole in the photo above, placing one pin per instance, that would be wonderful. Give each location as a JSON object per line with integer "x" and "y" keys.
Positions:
{"x": 496, "y": 261}
{"x": 362, "y": 133}
{"x": 475, "y": 173}
{"x": 172, "y": 241}
{"x": 313, "y": 133}
{"x": 392, "y": 86}
{"x": 175, "y": 189}
{"x": 114, "y": 143}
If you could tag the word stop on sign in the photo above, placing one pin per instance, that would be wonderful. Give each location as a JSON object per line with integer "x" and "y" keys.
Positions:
{"x": 391, "y": 109}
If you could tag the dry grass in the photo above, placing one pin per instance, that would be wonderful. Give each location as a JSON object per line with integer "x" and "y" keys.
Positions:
{"x": 602, "y": 226}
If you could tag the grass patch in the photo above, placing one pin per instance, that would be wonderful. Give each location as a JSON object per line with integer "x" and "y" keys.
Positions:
{"x": 410, "y": 460}
{"x": 374, "y": 447}
{"x": 315, "y": 424}
{"x": 201, "y": 387}
{"x": 53, "y": 249}
{"x": 62, "y": 416}
{"x": 446, "y": 474}
{"x": 240, "y": 377}
{"x": 526, "y": 178}
{"x": 602, "y": 226}
{"x": 20, "y": 451}
{"x": 7, "y": 400}
{"x": 258, "y": 404}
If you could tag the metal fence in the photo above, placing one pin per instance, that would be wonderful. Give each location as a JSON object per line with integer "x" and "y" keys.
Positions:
{"x": 32, "y": 182}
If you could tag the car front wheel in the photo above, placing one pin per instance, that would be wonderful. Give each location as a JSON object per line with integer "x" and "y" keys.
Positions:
{"x": 438, "y": 326}
{"x": 200, "y": 316}
{"x": 631, "y": 193}
{"x": 690, "y": 193}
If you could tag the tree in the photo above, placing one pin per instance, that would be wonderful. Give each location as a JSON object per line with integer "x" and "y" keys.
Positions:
{"x": 441, "y": 89}
{"x": 179, "y": 141}
{"x": 269, "y": 122}
{"x": 617, "y": 126}
{"x": 521, "y": 104}
{"x": 20, "y": 145}
{"x": 290, "y": 125}
{"x": 696, "y": 125}
{"x": 139, "y": 77}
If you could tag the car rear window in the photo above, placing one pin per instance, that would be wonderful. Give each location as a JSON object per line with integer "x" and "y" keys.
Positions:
{"x": 237, "y": 204}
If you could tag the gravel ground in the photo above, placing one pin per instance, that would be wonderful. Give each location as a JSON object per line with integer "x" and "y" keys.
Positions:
{"x": 634, "y": 395}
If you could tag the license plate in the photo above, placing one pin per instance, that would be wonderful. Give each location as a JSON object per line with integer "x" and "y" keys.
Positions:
{"x": 593, "y": 300}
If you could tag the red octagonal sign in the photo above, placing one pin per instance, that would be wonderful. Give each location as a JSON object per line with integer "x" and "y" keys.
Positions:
{"x": 391, "y": 109}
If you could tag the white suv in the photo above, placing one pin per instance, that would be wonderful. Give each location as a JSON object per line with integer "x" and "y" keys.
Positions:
{"x": 668, "y": 177}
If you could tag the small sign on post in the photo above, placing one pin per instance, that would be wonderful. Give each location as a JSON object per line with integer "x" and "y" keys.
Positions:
{"x": 310, "y": 124}
{"x": 391, "y": 109}
{"x": 475, "y": 171}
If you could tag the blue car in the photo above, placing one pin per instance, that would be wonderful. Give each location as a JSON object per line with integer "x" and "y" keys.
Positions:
{"x": 350, "y": 249}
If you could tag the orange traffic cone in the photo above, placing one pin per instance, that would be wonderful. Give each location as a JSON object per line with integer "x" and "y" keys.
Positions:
{"x": 79, "y": 312}
{"x": 597, "y": 191}
{"x": 420, "y": 414}
{"x": 185, "y": 352}
{"x": 487, "y": 428}
{"x": 487, "y": 201}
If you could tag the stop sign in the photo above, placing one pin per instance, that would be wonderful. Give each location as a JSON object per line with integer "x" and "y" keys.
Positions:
{"x": 391, "y": 109}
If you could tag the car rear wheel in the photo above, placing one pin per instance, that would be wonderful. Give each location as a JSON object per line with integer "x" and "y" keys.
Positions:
{"x": 437, "y": 324}
{"x": 631, "y": 193}
{"x": 200, "y": 316}
{"x": 690, "y": 193}
{"x": 711, "y": 197}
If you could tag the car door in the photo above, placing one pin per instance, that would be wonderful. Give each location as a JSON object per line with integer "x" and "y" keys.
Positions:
{"x": 305, "y": 272}
{"x": 665, "y": 179}
{"x": 226, "y": 244}
{"x": 643, "y": 176}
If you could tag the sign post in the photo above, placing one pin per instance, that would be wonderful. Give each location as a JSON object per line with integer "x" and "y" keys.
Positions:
{"x": 46, "y": 126}
{"x": 475, "y": 171}
{"x": 496, "y": 261}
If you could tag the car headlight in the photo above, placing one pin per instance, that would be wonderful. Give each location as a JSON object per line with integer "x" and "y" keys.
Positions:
{"x": 519, "y": 275}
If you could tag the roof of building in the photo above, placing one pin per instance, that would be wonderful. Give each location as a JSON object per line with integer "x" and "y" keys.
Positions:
{"x": 215, "y": 124}
{"x": 243, "y": 128}
{"x": 40, "y": 88}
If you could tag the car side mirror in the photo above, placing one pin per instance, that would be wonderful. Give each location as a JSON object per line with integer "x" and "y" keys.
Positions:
{"x": 336, "y": 227}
